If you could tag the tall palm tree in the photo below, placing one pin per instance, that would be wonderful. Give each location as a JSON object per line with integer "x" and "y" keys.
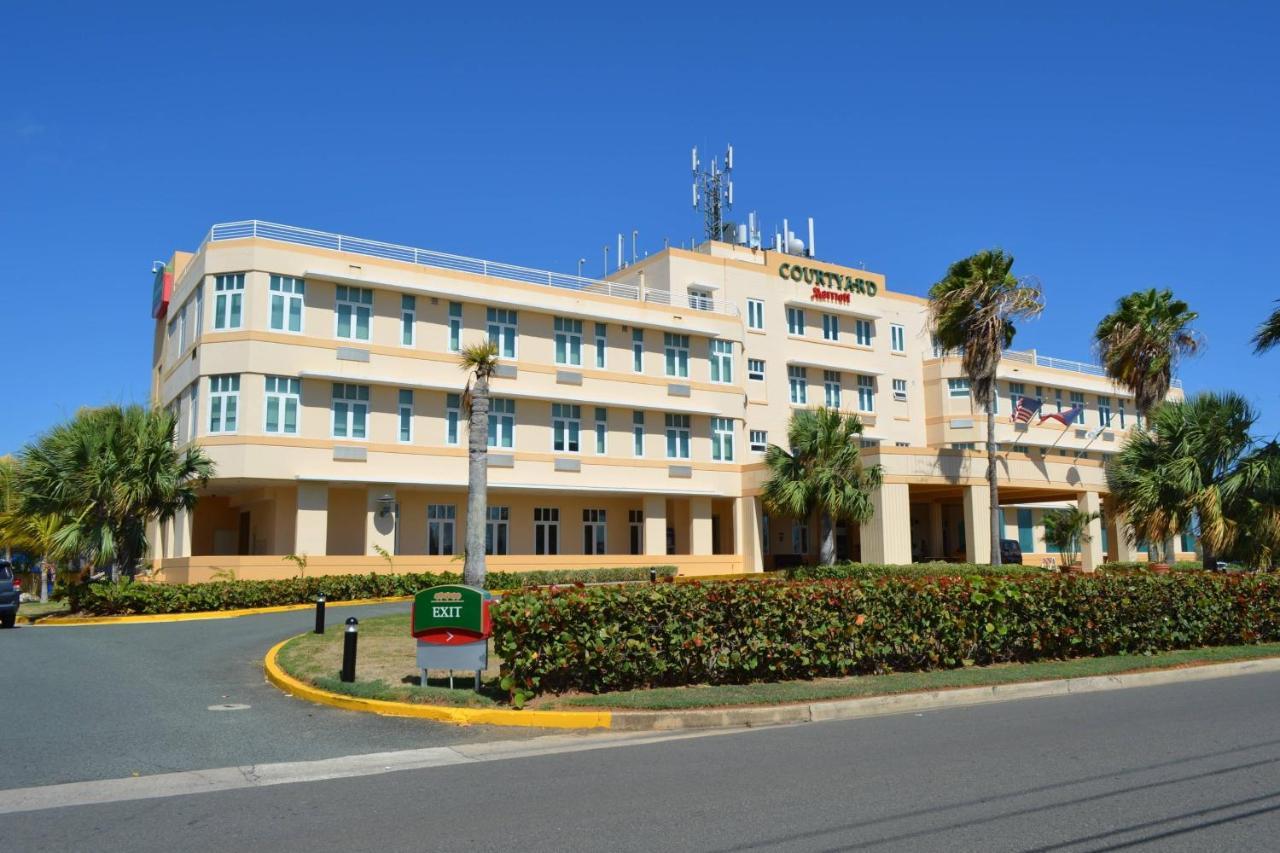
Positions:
{"x": 479, "y": 360}
{"x": 822, "y": 470}
{"x": 105, "y": 475}
{"x": 1142, "y": 340}
{"x": 973, "y": 308}
{"x": 1268, "y": 334}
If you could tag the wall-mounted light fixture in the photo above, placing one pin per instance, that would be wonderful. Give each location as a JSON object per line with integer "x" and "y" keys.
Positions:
{"x": 385, "y": 504}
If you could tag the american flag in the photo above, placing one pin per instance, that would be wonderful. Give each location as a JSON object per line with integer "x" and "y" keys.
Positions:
{"x": 1025, "y": 408}
{"x": 1067, "y": 416}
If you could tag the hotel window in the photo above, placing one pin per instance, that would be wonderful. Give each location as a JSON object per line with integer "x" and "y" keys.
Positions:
{"x": 759, "y": 440}
{"x": 408, "y": 316}
{"x": 902, "y": 444}
{"x": 452, "y": 414}
{"x": 601, "y": 344}
{"x": 405, "y": 415}
{"x": 722, "y": 439}
{"x": 721, "y": 361}
{"x": 568, "y": 341}
{"x": 497, "y": 527}
{"x": 676, "y": 351}
{"x": 677, "y": 436}
{"x": 755, "y": 369}
{"x": 440, "y": 524}
{"x": 228, "y": 301}
{"x": 755, "y": 313}
{"x": 546, "y": 530}
{"x": 354, "y": 310}
{"x": 602, "y": 429}
{"x": 501, "y": 324}
{"x": 288, "y": 298}
{"x": 1121, "y": 412}
{"x": 900, "y": 390}
{"x": 799, "y": 538}
{"x": 863, "y": 331}
{"x": 958, "y": 387}
{"x": 962, "y": 445}
{"x": 350, "y": 410}
{"x": 1026, "y": 532}
{"x": 637, "y": 350}
{"x": 283, "y": 396}
{"x": 1104, "y": 411}
{"x": 637, "y": 433}
{"x": 566, "y": 423}
{"x": 193, "y": 414}
{"x": 1057, "y": 398}
{"x": 868, "y": 443}
{"x": 593, "y": 531}
{"x": 799, "y": 383}
{"x": 1016, "y": 390}
{"x": 831, "y": 388}
{"x": 455, "y": 326}
{"x": 867, "y": 393}
{"x": 795, "y": 320}
{"x": 897, "y": 338}
{"x": 1077, "y": 399}
{"x": 224, "y": 400}
{"x": 199, "y": 308}
{"x": 830, "y": 327}
{"x": 502, "y": 423}
{"x": 635, "y": 529}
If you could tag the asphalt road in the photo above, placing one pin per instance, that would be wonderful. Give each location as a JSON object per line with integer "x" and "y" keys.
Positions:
{"x": 1183, "y": 767}
{"x": 109, "y": 701}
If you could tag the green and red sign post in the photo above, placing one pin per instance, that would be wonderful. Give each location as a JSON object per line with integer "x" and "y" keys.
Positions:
{"x": 452, "y": 626}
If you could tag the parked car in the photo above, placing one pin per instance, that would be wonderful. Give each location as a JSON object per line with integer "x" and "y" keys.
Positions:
{"x": 10, "y": 595}
{"x": 1010, "y": 552}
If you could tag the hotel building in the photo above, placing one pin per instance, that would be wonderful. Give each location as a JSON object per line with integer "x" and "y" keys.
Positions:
{"x": 630, "y": 415}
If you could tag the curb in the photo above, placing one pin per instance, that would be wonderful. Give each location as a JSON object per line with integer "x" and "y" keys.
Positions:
{"x": 53, "y": 621}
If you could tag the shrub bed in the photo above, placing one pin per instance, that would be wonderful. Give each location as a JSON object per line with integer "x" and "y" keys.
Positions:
{"x": 129, "y": 598}
{"x": 620, "y": 638}
{"x": 841, "y": 571}
{"x": 1141, "y": 566}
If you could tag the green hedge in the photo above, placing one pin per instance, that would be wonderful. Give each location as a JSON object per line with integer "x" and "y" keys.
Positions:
{"x": 127, "y": 598}
{"x": 619, "y": 638}
{"x": 1141, "y": 566}
{"x": 842, "y": 571}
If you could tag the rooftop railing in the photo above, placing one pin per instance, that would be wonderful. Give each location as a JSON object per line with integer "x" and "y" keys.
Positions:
{"x": 458, "y": 263}
{"x": 1034, "y": 358}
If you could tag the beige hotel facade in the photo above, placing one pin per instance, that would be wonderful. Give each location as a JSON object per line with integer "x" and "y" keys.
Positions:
{"x": 320, "y": 373}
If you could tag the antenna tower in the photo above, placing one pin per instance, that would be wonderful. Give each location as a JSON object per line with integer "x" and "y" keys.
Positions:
{"x": 713, "y": 195}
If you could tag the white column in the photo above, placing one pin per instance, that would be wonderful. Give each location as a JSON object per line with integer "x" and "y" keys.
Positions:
{"x": 182, "y": 533}
{"x": 1119, "y": 534}
{"x": 746, "y": 533}
{"x": 886, "y": 538}
{"x": 1091, "y": 556}
{"x": 937, "y": 547}
{"x": 655, "y": 525}
{"x": 700, "y": 526}
{"x": 311, "y": 528}
{"x": 977, "y": 523}
{"x": 380, "y": 529}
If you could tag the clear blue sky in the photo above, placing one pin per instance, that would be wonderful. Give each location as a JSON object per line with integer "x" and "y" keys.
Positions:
{"x": 1109, "y": 146}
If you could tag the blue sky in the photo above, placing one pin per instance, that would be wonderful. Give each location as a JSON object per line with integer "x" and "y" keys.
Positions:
{"x": 1109, "y": 146}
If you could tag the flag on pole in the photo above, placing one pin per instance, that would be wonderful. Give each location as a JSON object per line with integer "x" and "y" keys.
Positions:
{"x": 1025, "y": 408}
{"x": 1066, "y": 417}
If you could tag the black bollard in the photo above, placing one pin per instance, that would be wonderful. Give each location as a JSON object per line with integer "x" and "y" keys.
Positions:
{"x": 320, "y": 613}
{"x": 349, "y": 650}
{"x": 653, "y": 575}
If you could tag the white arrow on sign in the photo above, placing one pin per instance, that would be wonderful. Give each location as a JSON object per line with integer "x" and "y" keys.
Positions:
{"x": 448, "y": 636}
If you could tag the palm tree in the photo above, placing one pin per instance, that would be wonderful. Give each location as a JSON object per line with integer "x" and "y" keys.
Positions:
{"x": 1268, "y": 334}
{"x": 104, "y": 475}
{"x": 479, "y": 361}
{"x": 972, "y": 309}
{"x": 1141, "y": 341}
{"x": 821, "y": 471}
{"x": 1066, "y": 530}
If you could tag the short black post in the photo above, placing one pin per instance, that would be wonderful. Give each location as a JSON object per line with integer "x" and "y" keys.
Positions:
{"x": 320, "y": 613}
{"x": 349, "y": 650}
{"x": 653, "y": 575}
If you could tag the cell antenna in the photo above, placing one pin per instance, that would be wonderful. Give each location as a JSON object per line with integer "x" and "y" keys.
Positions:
{"x": 713, "y": 195}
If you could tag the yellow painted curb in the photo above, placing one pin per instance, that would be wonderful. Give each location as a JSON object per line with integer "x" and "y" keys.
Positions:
{"x": 54, "y": 621}
{"x": 440, "y": 713}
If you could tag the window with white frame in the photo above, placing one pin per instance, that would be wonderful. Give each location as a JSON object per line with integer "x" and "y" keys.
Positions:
{"x": 900, "y": 390}
{"x": 799, "y": 537}
{"x": 199, "y": 308}
{"x": 798, "y": 380}
{"x": 350, "y": 410}
{"x": 452, "y": 417}
{"x": 637, "y": 350}
{"x": 455, "y": 326}
{"x": 866, "y": 443}
{"x": 795, "y": 320}
{"x": 759, "y": 440}
{"x": 502, "y": 422}
{"x": 601, "y": 429}
{"x": 497, "y": 530}
{"x": 863, "y": 331}
{"x": 722, "y": 439}
{"x": 1104, "y": 411}
{"x": 354, "y": 311}
{"x": 637, "y": 434}
{"x": 755, "y": 369}
{"x": 755, "y": 313}
{"x": 1016, "y": 390}
{"x": 721, "y": 361}
{"x": 404, "y": 414}
{"x": 283, "y": 397}
{"x": 958, "y": 387}
{"x": 501, "y": 326}
{"x": 566, "y": 424}
{"x": 897, "y": 338}
{"x": 408, "y": 318}
{"x": 635, "y": 530}
{"x": 831, "y": 327}
{"x": 831, "y": 388}
{"x": 288, "y": 299}
{"x": 866, "y": 393}
{"x": 676, "y": 352}
{"x": 193, "y": 412}
{"x": 441, "y": 519}
{"x": 677, "y": 436}
{"x": 1120, "y": 405}
{"x": 568, "y": 333}
{"x": 546, "y": 530}
{"x": 228, "y": 301}
{"x": 224, "y": 401}
{"x": 602, "y": 344}
{"x": 593, "y": 531}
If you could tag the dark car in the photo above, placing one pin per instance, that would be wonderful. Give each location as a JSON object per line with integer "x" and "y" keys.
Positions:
{"x": 10, "y": 595}
{"x": 1010, "y": 552}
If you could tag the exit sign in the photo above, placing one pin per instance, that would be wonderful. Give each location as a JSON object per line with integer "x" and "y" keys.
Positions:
{"x": 451, "y": 615}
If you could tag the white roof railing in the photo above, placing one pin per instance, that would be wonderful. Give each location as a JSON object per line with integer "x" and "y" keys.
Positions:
{"x": 1034, "y": 358}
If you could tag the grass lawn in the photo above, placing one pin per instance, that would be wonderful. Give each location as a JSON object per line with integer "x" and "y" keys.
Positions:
{"x": 36, "y": 611}
{"x": 386, "y": 669}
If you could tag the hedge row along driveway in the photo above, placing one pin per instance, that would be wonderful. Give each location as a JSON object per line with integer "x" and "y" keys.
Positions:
{"x": 621, "y": 638}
